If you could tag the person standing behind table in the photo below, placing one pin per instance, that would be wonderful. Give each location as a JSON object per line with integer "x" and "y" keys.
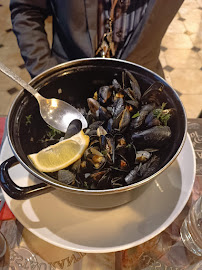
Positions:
{"x": 79, "y": 25}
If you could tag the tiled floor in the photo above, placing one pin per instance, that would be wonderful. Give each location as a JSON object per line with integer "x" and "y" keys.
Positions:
{"x": 181, "y": 57}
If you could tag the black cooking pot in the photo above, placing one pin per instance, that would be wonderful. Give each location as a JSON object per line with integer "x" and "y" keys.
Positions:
{"x": 74, "y": 82}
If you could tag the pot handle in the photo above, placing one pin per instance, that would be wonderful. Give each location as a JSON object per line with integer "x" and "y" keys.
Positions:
{"x": 16, "y": 192}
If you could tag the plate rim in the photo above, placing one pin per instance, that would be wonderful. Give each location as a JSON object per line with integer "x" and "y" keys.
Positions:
{"x": 162, "y": 227}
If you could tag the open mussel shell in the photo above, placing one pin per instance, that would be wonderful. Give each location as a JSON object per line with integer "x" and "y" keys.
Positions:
{"x": 154, "y": 94}
{"x": 134, "y": 85}
{"x": 121, "y": 164}
{"x": 94, "y": 158}
{"x": 142, "y": 156}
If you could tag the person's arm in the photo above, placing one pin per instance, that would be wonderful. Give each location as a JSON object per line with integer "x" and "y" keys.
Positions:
{"x": 28, "y": 18}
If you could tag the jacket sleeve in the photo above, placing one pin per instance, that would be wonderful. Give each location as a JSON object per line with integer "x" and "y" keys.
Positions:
{"x": 28, "y": 17}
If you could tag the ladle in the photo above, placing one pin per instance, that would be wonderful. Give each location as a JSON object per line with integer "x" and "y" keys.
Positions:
{"x": 55, "y": 112}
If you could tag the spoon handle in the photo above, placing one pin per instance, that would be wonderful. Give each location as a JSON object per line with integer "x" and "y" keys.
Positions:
{"x": 17, "y": 79}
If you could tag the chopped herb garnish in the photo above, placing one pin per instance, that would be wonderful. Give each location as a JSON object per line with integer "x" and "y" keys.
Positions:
{"x": 136, "y": 115}
{"x": 165, "y": 117}
{"x": 158, "y": 112}
{"x": 53, "y": 132}
{"x": 162, "y": 115}
{"x": 28, "y": 119}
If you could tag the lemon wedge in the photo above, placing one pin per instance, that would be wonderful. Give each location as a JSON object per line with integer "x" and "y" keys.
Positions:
{"x": 60, "y": 155}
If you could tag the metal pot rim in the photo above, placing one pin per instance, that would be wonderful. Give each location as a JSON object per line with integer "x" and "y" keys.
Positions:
{"x": 84, "y": 191}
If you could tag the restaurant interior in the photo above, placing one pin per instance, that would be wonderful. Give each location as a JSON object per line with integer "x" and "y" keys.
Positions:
{"x": 36, "y": 230}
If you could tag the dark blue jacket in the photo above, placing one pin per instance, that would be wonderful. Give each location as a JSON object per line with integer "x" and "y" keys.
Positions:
{"x": 75, "y": 30}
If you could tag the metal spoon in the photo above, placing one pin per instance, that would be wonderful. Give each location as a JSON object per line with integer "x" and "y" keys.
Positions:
{"x": 55, "y": 112}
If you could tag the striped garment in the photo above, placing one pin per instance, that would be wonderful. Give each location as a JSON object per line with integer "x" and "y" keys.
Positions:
{"x": 127, "y": 16}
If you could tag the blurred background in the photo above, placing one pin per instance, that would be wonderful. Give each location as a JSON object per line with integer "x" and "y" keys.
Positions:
{"x": 181, "y": 57}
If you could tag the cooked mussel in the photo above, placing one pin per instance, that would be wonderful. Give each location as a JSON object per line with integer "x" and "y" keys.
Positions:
{"x": 142, "y": 170}
{"x": 152, "y": 137}
{"x": 104, "y": 94}
{"x": 129, "y": 130}
{"x": 139, "y": 120}
{"x": 154, "y": 94}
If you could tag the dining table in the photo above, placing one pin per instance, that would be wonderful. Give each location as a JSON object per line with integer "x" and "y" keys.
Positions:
{"x": 165, "y": 251}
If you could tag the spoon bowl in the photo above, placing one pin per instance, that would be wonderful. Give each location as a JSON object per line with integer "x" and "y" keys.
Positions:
{"x": 55, "y": 112}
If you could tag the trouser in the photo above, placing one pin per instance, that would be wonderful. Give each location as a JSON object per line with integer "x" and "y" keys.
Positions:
{"x": 147, "y": 49}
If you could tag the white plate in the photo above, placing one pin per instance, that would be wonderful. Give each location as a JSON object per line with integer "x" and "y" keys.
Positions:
{"x": 157, "y": 204}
